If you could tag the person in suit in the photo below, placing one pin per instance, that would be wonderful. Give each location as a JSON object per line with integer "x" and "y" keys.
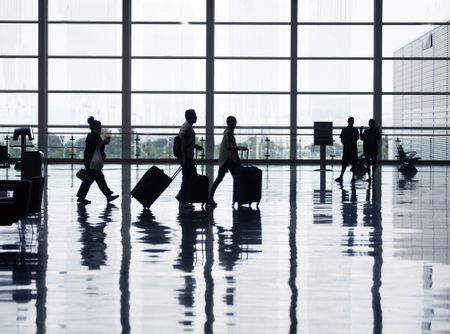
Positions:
{"x": 370, "y": 138}
{"x": 228, "y": 156}
{"x": 94, "y": 141}
{"x": 349, "y": 137}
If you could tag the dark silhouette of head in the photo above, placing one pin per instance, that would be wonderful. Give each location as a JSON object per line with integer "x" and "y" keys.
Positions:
{"x": 371, "y": 123}
{"x": 94, "y": 125}
{"x": 190, "y": 116}
{"x": 351, "y": 121}
{"x": 231, "y": 122}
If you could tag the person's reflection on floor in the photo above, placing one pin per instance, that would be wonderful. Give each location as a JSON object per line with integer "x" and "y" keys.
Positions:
{"x": 92, "y": 238}
{"x": 193, "y": 223}
{"x": 349, "y": 215}
{"x": 153, "y": 233}
{"x": 372, "y": 218}
{"x": 240, "y": 240}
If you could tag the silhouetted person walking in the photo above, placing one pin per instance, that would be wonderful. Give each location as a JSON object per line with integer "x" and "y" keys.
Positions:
{"x": 94, "y": 142}
{"x": 228, "y": 156}
{"x": 349, "y": 137}
{"x": 370, "y": 138}
{"x": 187, "y": 137}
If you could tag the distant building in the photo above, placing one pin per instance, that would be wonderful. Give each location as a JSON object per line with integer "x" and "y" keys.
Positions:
{"x": 424, "y": 76}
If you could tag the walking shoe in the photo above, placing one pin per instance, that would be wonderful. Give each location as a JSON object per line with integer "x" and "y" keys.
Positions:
{"x": 112, "y": 198}
{"x": 211, "y": 202}
{"x": 83, "y": 201}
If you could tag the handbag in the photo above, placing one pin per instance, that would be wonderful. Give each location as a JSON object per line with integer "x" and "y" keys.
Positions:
{"x": 97, "y": 160}
{"x": 81, "y": 174}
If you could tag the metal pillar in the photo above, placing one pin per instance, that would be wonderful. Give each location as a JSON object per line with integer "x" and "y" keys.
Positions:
{"x": 378, "y": 64}
{"x": 293, "y": 94}
{"x": 126, "y": 80}
{"x": 209, "y": 121}
{"x": 43, "y": 78}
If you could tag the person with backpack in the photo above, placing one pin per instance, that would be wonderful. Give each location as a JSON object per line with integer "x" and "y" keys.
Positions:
{"x": 228, "y": 157}
{"x": 184, "y": 151}
{"x": 370, "y": 138}
{"x": 94, "y": 154}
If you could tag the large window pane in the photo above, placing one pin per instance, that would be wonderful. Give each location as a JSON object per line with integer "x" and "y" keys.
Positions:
{"x": 252, "y": 75}
{"x": 414, "y": 41}
{"x": 18, "y": 39}
{"x": 74, "y": 109}
{"x": 335, "y": 10}
{"x": 335, "y": 108}
{"x": 85, "y": 74}
{"x": 252, "y": 110}
{"x": 19, "y": 108}
{"x": 335, "y": 41}
{"x": 252, "y": 41}
{"x": 85, "y": 39}
{"x": 416, "y": 10}
{"x": 168, "y": 75}
{"x": 418, "y": 110}
{"x": 85, "y": 10}
{"x": 416, "y": 76}
{"x": 169, "y": 10}
{"x": 166, "y": 109}
{"x": 169, "y": 40}
{"x": 253, "y": 10}
{"x": 19, "y": 10}
{"x": 18, "y": 74}
{"x": 335, "y": 75}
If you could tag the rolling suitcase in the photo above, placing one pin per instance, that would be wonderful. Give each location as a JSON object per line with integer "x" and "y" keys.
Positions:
{"x": 152, "y": 185}
{"x": 247, "y": 185}
{"x": 200, "y": 190}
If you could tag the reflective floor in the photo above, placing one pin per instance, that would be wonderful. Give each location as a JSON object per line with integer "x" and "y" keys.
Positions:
{"x": 315, "y": 258}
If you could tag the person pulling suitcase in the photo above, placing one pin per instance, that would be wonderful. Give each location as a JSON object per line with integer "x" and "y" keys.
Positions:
{"x": 186, "y": 160}
{"x": 228, "y": 157}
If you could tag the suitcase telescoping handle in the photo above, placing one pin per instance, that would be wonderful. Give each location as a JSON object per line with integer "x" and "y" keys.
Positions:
{"x": 176, "y": 173}
{"x": 241, "y": 150}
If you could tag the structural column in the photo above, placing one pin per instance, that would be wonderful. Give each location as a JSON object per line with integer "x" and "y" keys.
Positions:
{"x": 293, "y": 92}
{"x": 126, "y": 79}
{"x": 378, "y": 62}
{"x": 43, "y": 78}
{"x": 209, "y": 121}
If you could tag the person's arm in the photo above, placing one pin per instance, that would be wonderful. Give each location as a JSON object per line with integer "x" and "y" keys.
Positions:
{"x": 378, "y": 134}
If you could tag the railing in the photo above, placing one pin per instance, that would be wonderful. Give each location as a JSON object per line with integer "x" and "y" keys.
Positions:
{"x": 263, "y": 143}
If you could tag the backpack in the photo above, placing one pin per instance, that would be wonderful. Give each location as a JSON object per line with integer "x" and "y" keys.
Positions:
{"x": 177, "y": 147}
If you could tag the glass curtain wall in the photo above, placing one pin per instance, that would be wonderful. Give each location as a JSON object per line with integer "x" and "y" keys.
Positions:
{"x": 18, "y": 67}
{"x": 334, "y": 68}
{"x": 168, "y": 71}
{"x": 416, "y": 45}
{"x": 84, "y": 73}
{"x": 252, "y": 72}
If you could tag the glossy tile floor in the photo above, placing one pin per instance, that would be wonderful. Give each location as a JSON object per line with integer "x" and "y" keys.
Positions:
{"x": 315, "y": 258}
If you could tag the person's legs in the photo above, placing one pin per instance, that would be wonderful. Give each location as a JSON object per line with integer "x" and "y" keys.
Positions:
{"x": 85, "y": 185}
{"x": 188, "y": 171}
{"x": 368, "y": 166}
{"x": 102, "y": 185}
{"x": 343, "y": 168}
{"x": 220, "y": 175}
{"x": 374, "y": 164}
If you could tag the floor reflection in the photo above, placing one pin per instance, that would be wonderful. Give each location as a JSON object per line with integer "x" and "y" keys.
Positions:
{"x": 93, "y": 236}
{"x": 349, "y": 258}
